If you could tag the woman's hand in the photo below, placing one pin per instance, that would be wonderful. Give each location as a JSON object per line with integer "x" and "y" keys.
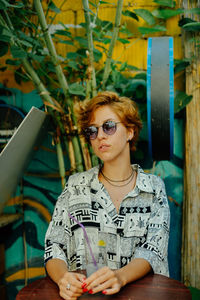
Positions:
{"x": 71, "y": 285}
{"x": 104, "y": 280}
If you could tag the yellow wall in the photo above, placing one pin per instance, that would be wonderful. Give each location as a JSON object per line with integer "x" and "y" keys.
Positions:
{"x": 135, "y": 53}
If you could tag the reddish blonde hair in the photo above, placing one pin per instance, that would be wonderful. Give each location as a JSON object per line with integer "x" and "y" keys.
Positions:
{"x": 124, "y": 107}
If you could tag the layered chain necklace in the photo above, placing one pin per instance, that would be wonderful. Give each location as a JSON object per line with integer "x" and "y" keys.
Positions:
{"x": 110, "y": 181}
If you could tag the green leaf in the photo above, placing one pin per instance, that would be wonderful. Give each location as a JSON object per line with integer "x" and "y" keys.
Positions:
{"x": 181, "y": 100}
{"x": 166, "y": 13}
{"x": 106, "y": 40}
{"x": 7, "y": 32}
{"x": 93, "y": 4}
{"x": 130, "y": 14}
{"x": 137, "y": 82}
{"x": 184, "y": 21}
{"x": 53, "y": 7}
{"x": 194, "y": 26}
{"x": 97, "y": 55}
{"x": 63, "y": 32}
{"x": 25, "y": 43}
{"x": 39, "y": 58}
{"x": 168, "y": 3}
{"x": 13, "y": 62}
{"x": 76, "y": 89}
{"x": 20, "y": 76}
{"x": 123, "y": 41}
{"x": 123, "y": 67}
{"x": 146, "y": 15}
{"x": 18, "y": 52}
{"x": 194, "y": 10}
{"x": 72, "y": 55}
{"x": 4, "y": 38}
{"x": 4, "y": 4}
{"x": 180, "y": 65}
{"x": 82, "y": 41}
{"x": 125, "y": 31}
{"x": 3, "y": 48}
{"x": 73, "y": 65}
{"x": 66, "y": 42}
{"x": 147, "y": 30}
{"x": 3, "y": 69}
{"x": 132, "y": 68}
{"x": 104, "y": 2}
{"x": 141, "y": 75}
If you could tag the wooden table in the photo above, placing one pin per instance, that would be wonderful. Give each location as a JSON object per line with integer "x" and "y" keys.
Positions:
{"x": 151, "y": 287}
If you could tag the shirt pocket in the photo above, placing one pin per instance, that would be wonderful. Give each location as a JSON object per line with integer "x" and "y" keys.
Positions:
{"x": 136, "y": 225}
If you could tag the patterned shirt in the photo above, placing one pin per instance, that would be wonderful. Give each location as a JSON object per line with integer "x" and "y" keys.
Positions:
{"x": 139, "y": 230}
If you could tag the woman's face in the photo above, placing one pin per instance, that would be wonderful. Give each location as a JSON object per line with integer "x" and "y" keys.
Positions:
{"x": 110, "y": 147}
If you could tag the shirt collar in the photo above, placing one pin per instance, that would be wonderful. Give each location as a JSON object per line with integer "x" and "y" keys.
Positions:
{"x": 143, "y": 182}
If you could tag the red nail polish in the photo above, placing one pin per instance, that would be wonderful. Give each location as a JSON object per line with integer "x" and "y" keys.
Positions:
{"x": 84, "y": 285}
{"x": 90, "y": 292}
{"x": 85, "y": 290}
{"x": 104, "y": 292}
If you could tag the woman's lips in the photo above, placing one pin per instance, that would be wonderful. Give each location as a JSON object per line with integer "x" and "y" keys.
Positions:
{"x": 104, "y": 147}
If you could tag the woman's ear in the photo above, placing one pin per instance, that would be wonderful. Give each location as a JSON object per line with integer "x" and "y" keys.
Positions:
{"x": 130, "y": 134}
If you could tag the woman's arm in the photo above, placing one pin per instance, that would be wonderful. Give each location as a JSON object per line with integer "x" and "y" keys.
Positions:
{"x": 134, "y": 270}
{"x": 57, "y": 270}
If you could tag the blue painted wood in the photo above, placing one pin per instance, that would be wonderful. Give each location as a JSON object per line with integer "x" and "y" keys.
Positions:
{"x": 160, "y": 97}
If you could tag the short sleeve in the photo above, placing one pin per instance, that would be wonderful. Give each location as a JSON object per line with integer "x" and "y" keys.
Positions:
{"x": 155, "y": 247}
{"x": 58, "y": 232}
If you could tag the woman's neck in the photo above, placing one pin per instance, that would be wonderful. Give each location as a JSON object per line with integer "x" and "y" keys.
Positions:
{"x": 117, "y": 171}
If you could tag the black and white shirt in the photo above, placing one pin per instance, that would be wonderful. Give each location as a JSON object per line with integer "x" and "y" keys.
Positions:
{"x": 139, "y": 230}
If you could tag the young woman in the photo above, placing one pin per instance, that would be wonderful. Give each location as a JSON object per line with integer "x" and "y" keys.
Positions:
{"x": 116, "y": 202}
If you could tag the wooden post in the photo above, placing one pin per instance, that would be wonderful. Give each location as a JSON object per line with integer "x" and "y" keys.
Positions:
{"x": 191, "y": 208}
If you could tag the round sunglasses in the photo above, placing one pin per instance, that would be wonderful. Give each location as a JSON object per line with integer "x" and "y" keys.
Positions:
{"x": 109, "y": 127}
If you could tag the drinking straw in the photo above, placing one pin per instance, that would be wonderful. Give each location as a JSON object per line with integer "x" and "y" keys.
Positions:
{"x": 86, "y": 237}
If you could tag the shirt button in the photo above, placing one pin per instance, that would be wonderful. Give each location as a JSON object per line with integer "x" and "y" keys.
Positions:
{"x": 121, "y": 234}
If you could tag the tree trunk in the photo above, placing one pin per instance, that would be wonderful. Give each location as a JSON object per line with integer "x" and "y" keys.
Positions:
{"x": 191, "y": 209}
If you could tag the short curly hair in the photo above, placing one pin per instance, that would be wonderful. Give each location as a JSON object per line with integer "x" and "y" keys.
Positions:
{"x": 124, "y": 107}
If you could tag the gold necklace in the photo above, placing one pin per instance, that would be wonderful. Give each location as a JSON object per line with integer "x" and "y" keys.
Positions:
{"x": 116, "y": 180}
{"x": 109, "y": 180}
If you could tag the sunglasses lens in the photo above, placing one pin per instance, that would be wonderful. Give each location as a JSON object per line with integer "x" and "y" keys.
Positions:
{"x": 109, "y": 127}
{"x": 91, "y": 132}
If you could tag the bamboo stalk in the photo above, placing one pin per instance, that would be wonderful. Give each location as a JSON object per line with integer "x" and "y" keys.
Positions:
{"x": 90, "y": 45}
{"x": 60, "y": 75}
{"x": 37, "y": 82}
{"x": 61, "y": 162}
{"x": 86, "y": 154}
{"x": 50, "y": 46}
{"x": 71, "y": 156}
{"x": 113, "y": 41}
{"x": 94, "y": 158}
{"x": 78, "y": 156}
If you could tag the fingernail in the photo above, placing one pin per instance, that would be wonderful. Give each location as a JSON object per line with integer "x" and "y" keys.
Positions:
{"x": 84, "y": 285}
{"x": 104, "y": 292}
{"x": 90, "y": 292}
{"x": 85, "y": 290}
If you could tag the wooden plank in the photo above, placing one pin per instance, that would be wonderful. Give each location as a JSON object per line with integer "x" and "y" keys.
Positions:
{"x": 191, "y": 209}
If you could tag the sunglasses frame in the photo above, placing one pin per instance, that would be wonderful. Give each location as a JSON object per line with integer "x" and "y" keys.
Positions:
{"x": 88, "y": 135}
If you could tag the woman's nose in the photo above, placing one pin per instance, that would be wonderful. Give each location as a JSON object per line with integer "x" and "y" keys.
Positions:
{"x": 101, "y": 134}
